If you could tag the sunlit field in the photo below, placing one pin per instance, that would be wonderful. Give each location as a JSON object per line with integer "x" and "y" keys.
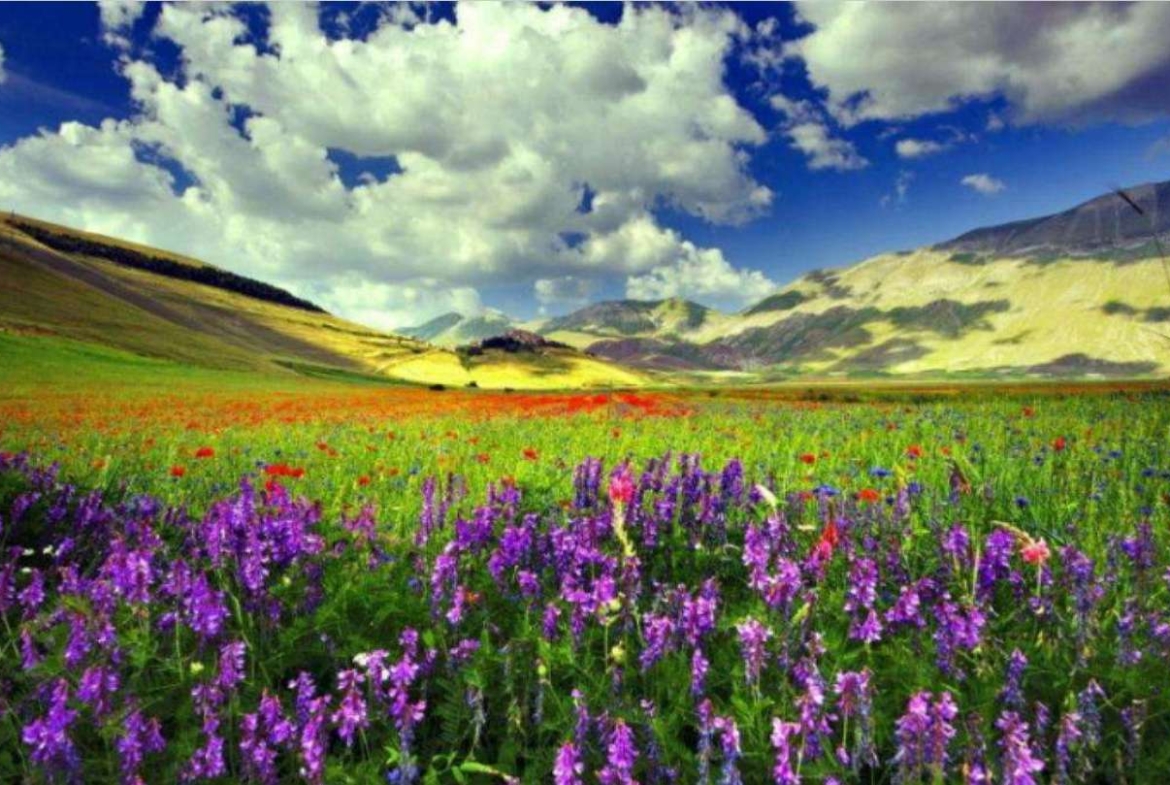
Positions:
{"x": 344, "y": 583}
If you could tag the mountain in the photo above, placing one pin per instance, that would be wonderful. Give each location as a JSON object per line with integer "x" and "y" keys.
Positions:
{"x": 428, "y": 331}
{"x": 651, "y": 334}
{"x": 1102, "y": 227}
{"x": 454, "y": 329}
{"x": 58, "y": 283}
{"x": 1082, "y": 292}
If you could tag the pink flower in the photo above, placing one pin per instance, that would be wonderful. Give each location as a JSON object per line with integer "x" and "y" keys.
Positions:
{"x": 621, "y": 488}
{"x": 1035, "y": 552}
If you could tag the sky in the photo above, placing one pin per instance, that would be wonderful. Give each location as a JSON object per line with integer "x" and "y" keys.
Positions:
{"x": 396, "y": 162}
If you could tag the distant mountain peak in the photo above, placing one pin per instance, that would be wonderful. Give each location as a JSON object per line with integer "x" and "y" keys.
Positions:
{"x": 456, "y": 329}
{"x": 1105, "y": 223}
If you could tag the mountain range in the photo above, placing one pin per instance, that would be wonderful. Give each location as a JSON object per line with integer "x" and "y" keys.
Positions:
{"x": 1083, "y": 292}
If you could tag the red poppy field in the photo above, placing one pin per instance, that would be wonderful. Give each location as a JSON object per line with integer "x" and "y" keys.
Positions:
{"x": 360, "y": 583}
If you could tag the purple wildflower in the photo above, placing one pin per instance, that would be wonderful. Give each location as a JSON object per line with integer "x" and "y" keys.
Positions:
{"x": 48, "y": 736}
{"x": 568, "y": 768}
{"x": 139, "y": 737}
{"x": 622, "y": 755}
{"x": 753, "y": 641}
{"x": 1019, "y": 759}
{"x": 782, "y": 732}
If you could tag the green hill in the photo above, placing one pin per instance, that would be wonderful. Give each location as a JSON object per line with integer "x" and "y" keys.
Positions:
{"x": 58, "y": 283}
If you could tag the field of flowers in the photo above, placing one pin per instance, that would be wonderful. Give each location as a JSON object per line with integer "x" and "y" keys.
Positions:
{"x": 357, "y": 584}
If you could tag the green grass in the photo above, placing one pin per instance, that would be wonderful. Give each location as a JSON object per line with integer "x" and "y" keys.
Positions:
{"x": 36, "y": 365}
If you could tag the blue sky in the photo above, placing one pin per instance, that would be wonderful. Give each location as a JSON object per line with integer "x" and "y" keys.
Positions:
{"x": 229, "y": 136}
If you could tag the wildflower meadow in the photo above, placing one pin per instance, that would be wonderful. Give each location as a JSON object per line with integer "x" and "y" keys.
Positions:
{"x": 353, "y": 585}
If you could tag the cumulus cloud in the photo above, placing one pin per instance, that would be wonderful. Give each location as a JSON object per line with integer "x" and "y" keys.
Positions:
{"x": 983, "y": 183}
{"x": 567, "y": 292}
{"x": 391, "y": 305}
{"x": 117, "y": 17}
{"x": 808, "y": 131}
{"x": 529, "y": 144}
{"x": 700, "y": 273}
{"x": 918, "y": 148}
{"x": 1050, "y": 61}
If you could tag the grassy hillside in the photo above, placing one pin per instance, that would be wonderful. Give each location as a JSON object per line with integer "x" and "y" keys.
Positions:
{"x": 91, "y": 295}
{"x": 933, "y": 311}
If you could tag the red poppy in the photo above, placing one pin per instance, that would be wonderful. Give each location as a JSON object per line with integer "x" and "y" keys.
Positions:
{"x": 483, "y": 457}
{"x": 808, "y": 458}
{"x": 1035, "y": 552}
{"x": 284, "y": 470}
{"x": 1059, "y": 443}
{"x": 868, "y": 495}
{"x": 914, "y": 451}
{"x": 178, "y": 471}
{"x": 1028, "y": 411}
{"x": 205, "y": 452}
{"x": 530, "y": 454}
{"x": 363, "y": 480}
{"x": 828, "y": 541}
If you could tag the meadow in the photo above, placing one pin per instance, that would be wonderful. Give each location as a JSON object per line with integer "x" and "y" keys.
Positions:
{"x": 266, "y": 580}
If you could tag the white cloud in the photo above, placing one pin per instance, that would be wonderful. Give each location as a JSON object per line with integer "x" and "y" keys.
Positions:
{"x": 983, "y": 183}
{"x": 918, "y": 148}
{"x": 117, "y": 17}
{"x": 499, "y": 123}
{"x": 1159, "y": 147}
{"x": 808, "y": 131}
{"x": 3, "y": 75}
{"x": 702, "y": 274}
{"x": 567, "y": 292}
{"x": 1051, "y": 61}
{"x": 901, "y": 190}
{"x": 388, "y": 306}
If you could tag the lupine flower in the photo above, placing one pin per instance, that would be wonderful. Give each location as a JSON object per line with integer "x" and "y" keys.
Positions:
{"x": 1020, "y": 762}
{"x": 207, "y": 762}
{"x": 1133, "y": 718}
{"x": 568, "y": 768}
{"x": 855, "y": 703}
{"x": 622, "y": 755}
{"x": 262, "y": 734}
{"x": 350, "y": 715}
{"x": 783, "y": 772}
{"x": 1011, "y": 695}
{"x": 1068, "y": 741}
{"x": 48, "y": 737}
{"x": 231, "y": 665}
{"x": 139, "y": 737}
{"x": 924, "y": 734}
{"x": 729, "y": 745}
{"x": 699, "y": 666}
{"x": 753, "y": 640}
